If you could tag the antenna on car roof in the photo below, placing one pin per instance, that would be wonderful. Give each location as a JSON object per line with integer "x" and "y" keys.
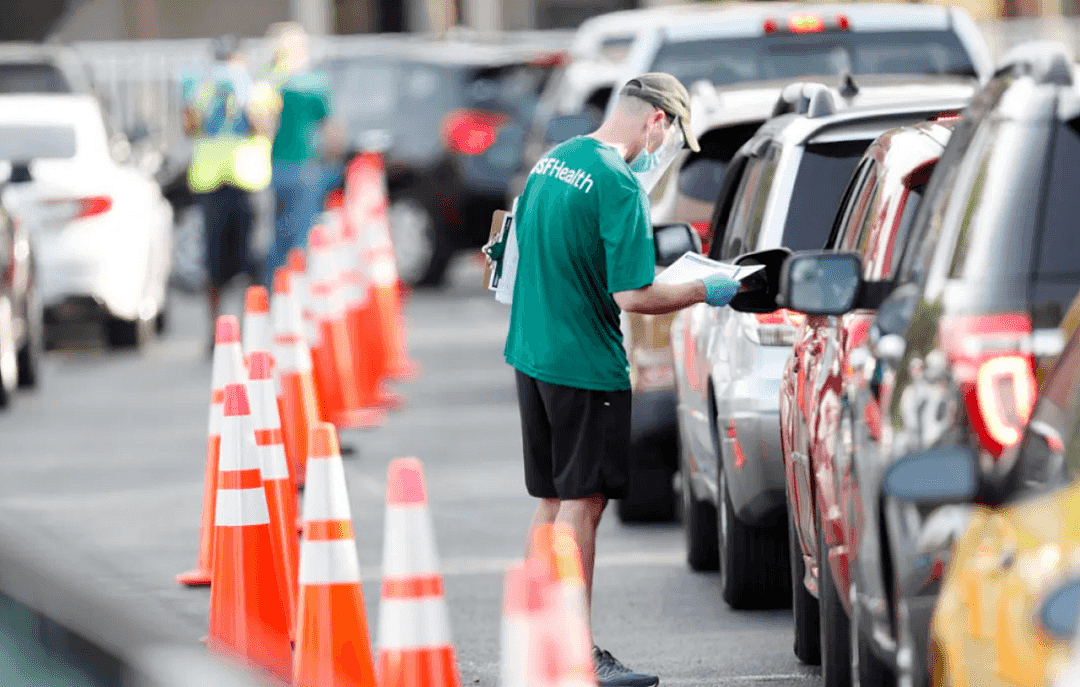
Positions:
{"x": 848, "y": 88}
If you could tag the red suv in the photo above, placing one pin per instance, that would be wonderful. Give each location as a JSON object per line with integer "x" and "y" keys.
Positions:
{"x": 874, "y": 220}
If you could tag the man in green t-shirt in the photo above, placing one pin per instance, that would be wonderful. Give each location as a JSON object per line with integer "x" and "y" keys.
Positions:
{"x": 585, "y": 251}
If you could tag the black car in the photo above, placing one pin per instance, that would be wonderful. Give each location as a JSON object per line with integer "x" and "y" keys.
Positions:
{"x": 20, "y": 310}
{"x": 451, "y": 118}
{"x": 960, "y": 339}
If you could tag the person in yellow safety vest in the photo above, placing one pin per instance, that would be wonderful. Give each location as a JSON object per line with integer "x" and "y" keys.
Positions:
{"x": 230, "y": 118}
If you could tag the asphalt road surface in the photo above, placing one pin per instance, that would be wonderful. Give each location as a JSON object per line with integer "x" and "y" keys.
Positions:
{"x": 105, "y": 463}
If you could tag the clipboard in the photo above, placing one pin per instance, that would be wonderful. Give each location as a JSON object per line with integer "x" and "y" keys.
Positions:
{"x": 494, "y": 248}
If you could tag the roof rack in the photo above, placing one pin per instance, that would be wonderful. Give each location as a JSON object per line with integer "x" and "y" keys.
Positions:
{"x": 806, "y": 98}
{"x": 1048, "y": 62}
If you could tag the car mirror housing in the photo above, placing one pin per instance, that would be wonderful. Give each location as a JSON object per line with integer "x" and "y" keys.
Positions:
{"x": 672, "y": 241}
{"x": 762, "y": 300}
{"x": 937, "y": 476}
{"x": 1060, "y": 612}
{"x": 821, "y": 282}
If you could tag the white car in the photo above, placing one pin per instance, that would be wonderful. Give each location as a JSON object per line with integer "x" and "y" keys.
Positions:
{"x": 101, "y": 228}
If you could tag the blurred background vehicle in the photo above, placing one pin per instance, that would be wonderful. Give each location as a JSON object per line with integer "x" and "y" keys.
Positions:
{"x": 961, "y": 336}
{"x": 782, "y": 189}
{"x": 873, "y": 221}
{"x": 729, "y": 43}
{"x": 101, "y": 227}
{"x": 27, "y": 67}
{"x": 1010, "y": 600}
{"x": 20, "y": 307}
{"x": 450, "y": 117}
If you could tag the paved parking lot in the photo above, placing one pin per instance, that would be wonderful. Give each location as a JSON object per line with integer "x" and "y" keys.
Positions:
{"x": 106, "y": 464}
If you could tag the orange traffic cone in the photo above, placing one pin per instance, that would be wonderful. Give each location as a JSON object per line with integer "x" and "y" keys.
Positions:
{"x": 332, "y": 644}
{"x": 249, "y": 597}
{"x": 298, "y": 401}
{"x": 280, "y": 488}
{"x": 334, "y": 373}
{"x": 368, "y": 174}
{"x": 227, "y": 368}
{"x": 296, "y": 260}
{"x": 519, "y": 594}
{"x": 415, "y": 649}
{"x": 560, "y": 646}
{"x": 256, "y": 329}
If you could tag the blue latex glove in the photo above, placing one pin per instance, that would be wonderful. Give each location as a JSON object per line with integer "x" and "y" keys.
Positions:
{"x": 719, "y": 290}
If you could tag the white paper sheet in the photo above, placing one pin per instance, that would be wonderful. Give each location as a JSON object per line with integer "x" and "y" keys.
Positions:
{"x": 694, "y": 266}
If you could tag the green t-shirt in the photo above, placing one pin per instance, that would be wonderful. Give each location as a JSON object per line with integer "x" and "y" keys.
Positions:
{"x": 583, "y": 233}
{"x": 305, "y": 102}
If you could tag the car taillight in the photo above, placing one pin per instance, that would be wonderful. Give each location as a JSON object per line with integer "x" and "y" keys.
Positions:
{"x": 703, "y": 229}
{"x": 805, "y": 23}
{"x": 471, "y": 132}
{"x": 995, "y": 371}
{"x": 775, "y": 328}
{"x": 68, "y": 209}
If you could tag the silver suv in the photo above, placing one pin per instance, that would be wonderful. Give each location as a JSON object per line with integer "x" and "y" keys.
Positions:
{"x": 782, "y": 189}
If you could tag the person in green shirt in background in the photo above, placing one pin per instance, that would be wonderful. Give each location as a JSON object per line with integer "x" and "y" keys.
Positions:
{"x": 585, "y": 251}
{"x": 306, "y": 136}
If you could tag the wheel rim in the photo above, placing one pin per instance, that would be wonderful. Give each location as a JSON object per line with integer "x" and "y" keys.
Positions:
{"x": 411, "y": 226}
{"x": 723, "y": 528}
{"x": 9, "y": 362}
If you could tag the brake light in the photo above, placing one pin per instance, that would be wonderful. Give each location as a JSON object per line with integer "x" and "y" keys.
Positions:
{"x": 995, "y": 372}
{"x": 946, "y": 117}
{"x": 805, "y": 23}
{"x": 703, "y": 229}
{"x": 770, "y": 25}
{"x": 775, "y": 328}
{"x": 67, "y": 209}
{"x": 842, "y": 22}
{"x": 471, "y": 132}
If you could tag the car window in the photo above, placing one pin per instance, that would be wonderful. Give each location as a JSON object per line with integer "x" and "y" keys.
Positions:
{"x": 1057, "y": 269}
{"x": 912, "y": 201}
{"x": 927, "y": 224}
{"x": 856, "y": 225}
{"x": 365, "y": 90}
{"x": 824, "y": 173}
{"x": 36, "y": 141}
{"x": 847, "y": 206}
{"x": 702, "y": 178}
{"x": 749, "y": 210}
{"x": 788, "y": 55}
{"x": 32, "y": 78}
{"x": 725, "y": 201}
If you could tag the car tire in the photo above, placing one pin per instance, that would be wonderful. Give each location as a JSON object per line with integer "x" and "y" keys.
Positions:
{"x": 699, "y": 527}
{"x": 29, "y": 357}
{"x": 9, "y": 366}
{"x": 161, "y": 320}
{"x": 422, "y": 249}
{"x": 126, "y": 334}
{"x": 867, "y": 670}
{"x": 804, "y": 606}
{"x": 650, "y": 493}
{"x": 753, "y": 560}
{"x": 834, "y": 625}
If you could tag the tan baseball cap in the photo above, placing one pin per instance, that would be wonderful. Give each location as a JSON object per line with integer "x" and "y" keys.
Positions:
{"x": 667, "y": 93}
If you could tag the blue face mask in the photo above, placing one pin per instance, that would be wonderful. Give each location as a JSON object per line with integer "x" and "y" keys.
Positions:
{"x": 644, "y": 163}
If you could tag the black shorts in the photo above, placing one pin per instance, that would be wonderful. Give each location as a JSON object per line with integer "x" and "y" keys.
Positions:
{"x": 576, "y": 441}
{"x": 229, "y": 216}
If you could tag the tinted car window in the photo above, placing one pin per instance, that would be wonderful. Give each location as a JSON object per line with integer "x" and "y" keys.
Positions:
{"x": 823, "y": 176}
{"x": 749, "y": 209}
{"x": 787, "y": 55}
{"x": 32, "y": 78}
{"x": 31, "y": 142}
{"x": 1057, "y": 266}
{"x": 701, "y": 179}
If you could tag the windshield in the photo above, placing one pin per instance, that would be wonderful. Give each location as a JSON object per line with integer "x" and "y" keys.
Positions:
{"x": 823, "y": 177}
{"x": 23, "y": 142}
{"x": 782, "y": 56}
{"x": 32, "y": 78}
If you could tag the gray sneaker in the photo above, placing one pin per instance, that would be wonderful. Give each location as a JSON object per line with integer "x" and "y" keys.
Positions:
{"x": 611, "y": 673}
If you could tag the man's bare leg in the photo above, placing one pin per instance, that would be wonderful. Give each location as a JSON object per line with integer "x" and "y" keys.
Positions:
{"x": 545, "y": 514}
{"x": 583, "y": 517}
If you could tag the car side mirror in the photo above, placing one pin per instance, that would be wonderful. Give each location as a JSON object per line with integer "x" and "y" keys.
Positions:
{"x": 672, "y": 241}
{"x": 763, "y": 298}
{"x": 564, "y": 127}
{"x": 821, "y": 282}
{"x": 934, "y": 477}
{"x": 1060, "y": 612}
